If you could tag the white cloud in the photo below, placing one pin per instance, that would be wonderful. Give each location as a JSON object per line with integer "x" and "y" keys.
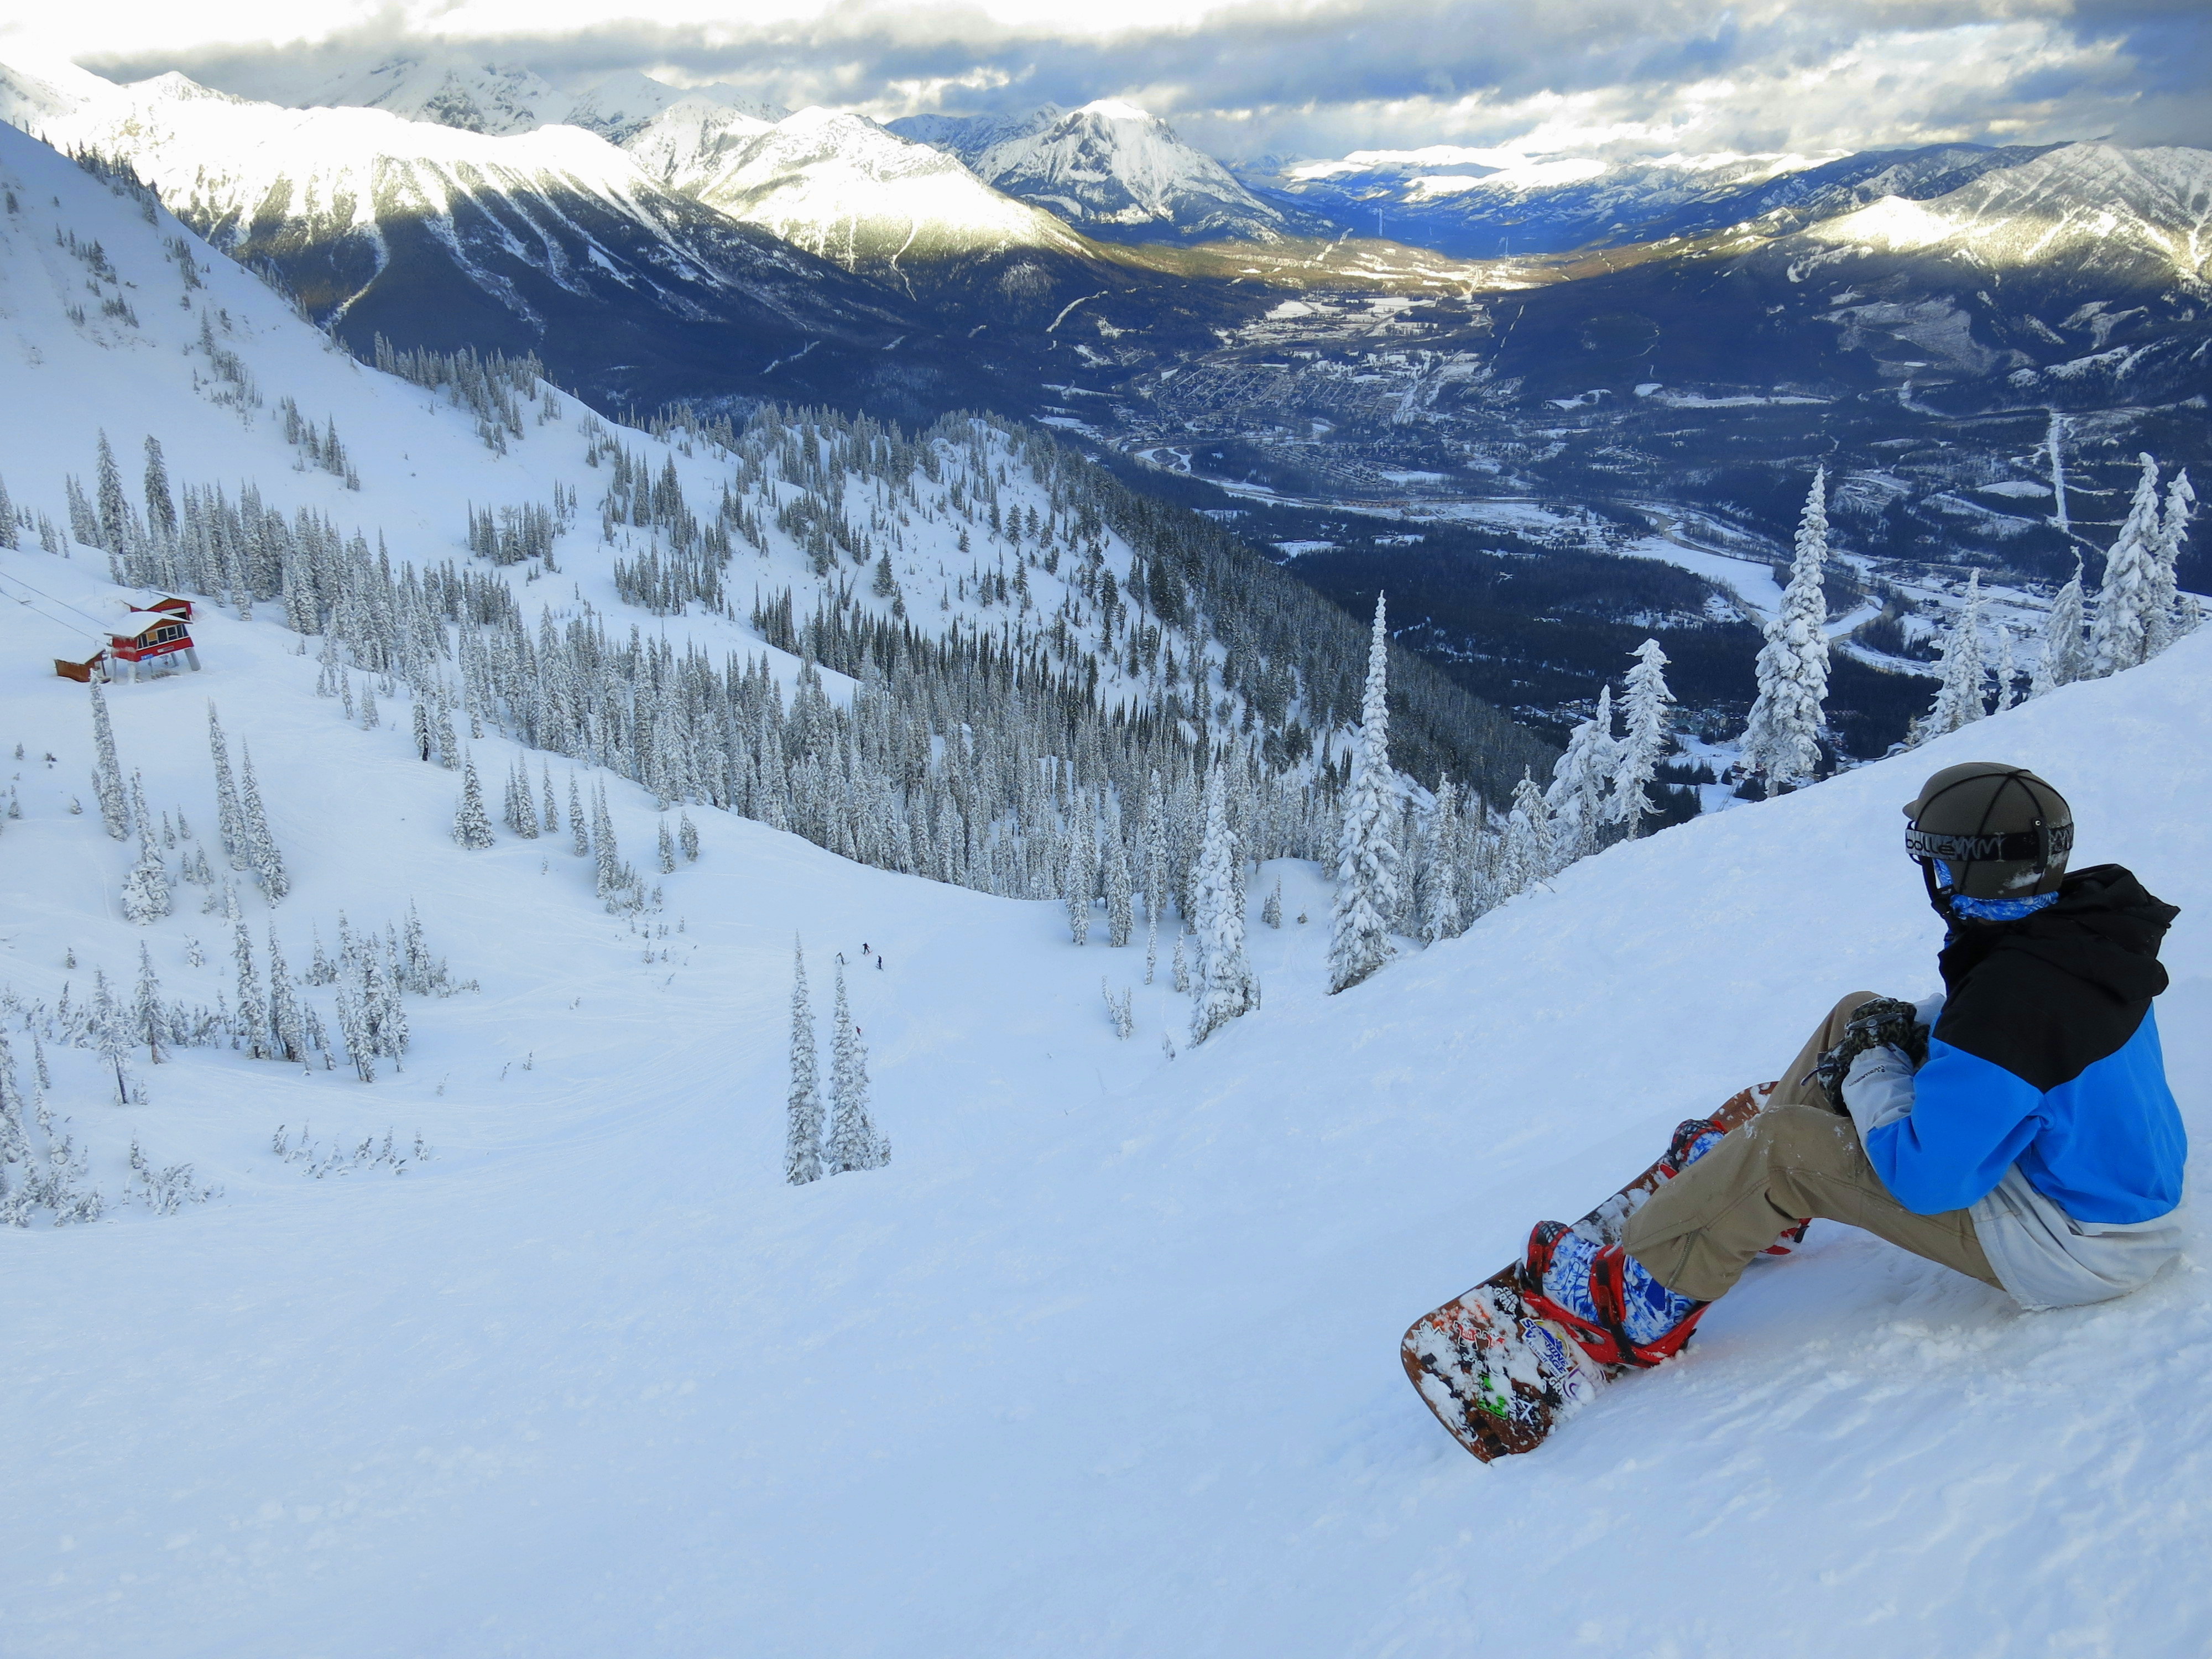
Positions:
{"x": 1500, "y": 80}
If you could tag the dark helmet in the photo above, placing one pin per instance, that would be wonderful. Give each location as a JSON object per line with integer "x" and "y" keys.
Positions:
{"x": 1990, "y": 831}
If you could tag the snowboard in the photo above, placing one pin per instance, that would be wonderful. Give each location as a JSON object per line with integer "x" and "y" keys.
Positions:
{"x": 1499, "y": 1378}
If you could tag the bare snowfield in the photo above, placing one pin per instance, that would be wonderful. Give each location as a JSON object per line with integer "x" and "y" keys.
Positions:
{"x": 1104, "y": 1362}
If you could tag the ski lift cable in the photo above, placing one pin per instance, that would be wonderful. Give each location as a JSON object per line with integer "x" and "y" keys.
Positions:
{"x": 62, "y": 622}
{"x": 10, "y": 577}
{"x": 98, "y": 639}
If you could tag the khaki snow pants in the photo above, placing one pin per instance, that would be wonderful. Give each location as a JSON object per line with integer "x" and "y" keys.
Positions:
{"x": 1797, "y": 1158}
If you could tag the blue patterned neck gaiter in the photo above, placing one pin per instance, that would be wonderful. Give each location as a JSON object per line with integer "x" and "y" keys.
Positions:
{"x": 1981, "y": 909}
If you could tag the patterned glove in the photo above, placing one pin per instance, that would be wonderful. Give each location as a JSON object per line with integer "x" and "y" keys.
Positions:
{"x": 1883, "y": 1021}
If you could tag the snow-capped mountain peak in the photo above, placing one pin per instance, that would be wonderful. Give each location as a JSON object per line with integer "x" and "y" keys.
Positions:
{"x": 1110, "y": 168}
{"x": 690, "y": 141}
{"x": 1117, "y": 170}
{"x": 843, "y": 187}
{"x": 453, "y": 88}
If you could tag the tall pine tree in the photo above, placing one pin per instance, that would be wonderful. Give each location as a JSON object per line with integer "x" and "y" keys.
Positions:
{"x": 1227, "y": 985}
{"x": 854, "y": 1141}
{"x": 2065, "y": 657}
{"x": 2120, "y": 635}
{"x": 107, "y": 771}
{"x": 261, "y": 854}
{"x": 1366, "y": 859}
{"x": 1781, "y": 738}
{"x": 802, "y": 1146}
{"x": 1958, "y": 694}
{"x": 472, "y": 824}
{"x": 1646, "y": 706}
{"x": 1576, "y": 797}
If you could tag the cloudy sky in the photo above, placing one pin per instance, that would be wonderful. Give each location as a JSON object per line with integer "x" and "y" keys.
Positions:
{"x": 1293, "y": 78}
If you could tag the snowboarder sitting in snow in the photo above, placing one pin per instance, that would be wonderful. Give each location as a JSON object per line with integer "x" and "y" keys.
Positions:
{"x": 2017, "y": 1127}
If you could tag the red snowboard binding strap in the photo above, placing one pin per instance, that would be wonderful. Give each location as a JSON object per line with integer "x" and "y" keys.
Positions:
{"x": 1606, "y": 1342}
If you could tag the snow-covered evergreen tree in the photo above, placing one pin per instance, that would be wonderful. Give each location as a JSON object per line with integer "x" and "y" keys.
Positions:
{"x": 2065, "y": 656}
{"x": 2003, "y": 669}
{"x": 286, "y": 1031}
{"x": 471, "y": 825}
{"x": 115, "y": 520}
{"x": 261, "y": 854}
{"x": 1227, "y": 985}
{"x": 1645, "y": 707}
{"x": 161, "y": 505}
{"x": 606, "y": 854}
{"x": 1079, "y": 876}
{"x": 854, "y": 1141}
{"x": 580, "y": 829}
{"x": 1530, "y": 852}
{"x": 1958, "y": 695}
{"x": 148, "y": 1019}
{"x": 356, "y": 1033}
{"x": 802, "y": 1146}
{"x": 1782, "y": 739}
{"x": 230, "y": 825}
{"x": 1120, "y": 903}
{"x": 1579, "y": 807}
{"x": 109, "y": 1027}
{"x": 2162, "y": 624}
{"x": 2120, "y": 633}
{"x": 1271, "y": 911}
{"x": 146, "y": 889}
{"x": 253, "y": 1008}
{"x": 1366, "y": 860}
{"x": 107, "y": 771}
{"x": 1441, "y": 917}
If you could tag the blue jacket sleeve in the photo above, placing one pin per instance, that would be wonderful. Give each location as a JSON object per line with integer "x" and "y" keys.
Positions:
{"x": 1970, "y": 1120}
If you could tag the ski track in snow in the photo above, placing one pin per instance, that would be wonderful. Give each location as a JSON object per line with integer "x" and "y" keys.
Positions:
{"x": 1105, "y": 1361}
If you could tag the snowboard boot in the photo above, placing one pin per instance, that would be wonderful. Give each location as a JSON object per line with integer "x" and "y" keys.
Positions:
{"x": 1696, "y": 1136}
{"x": 1693, "y": 1138}
{"x": 1601, "y": 1297}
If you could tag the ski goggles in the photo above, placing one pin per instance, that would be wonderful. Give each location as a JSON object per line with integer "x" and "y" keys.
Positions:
{"x": 2037, "y": 846}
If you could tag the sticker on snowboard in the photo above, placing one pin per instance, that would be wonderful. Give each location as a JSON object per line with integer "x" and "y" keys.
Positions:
{"x": 1502, "y": 1379}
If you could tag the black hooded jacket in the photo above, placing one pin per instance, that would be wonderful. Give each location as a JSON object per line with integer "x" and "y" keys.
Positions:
{"x": 2048, "y": 996}
{"x": 2046, "y": 1053}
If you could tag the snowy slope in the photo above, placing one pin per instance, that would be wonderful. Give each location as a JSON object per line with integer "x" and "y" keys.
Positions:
{"x": 1104, "y": 1362}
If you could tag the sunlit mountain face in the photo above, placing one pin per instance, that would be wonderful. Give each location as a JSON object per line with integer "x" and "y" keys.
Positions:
{"x": 1116, "y": 171}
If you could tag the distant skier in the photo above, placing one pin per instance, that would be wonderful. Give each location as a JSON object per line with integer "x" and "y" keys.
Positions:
{"x": 2017, "y": 1127}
